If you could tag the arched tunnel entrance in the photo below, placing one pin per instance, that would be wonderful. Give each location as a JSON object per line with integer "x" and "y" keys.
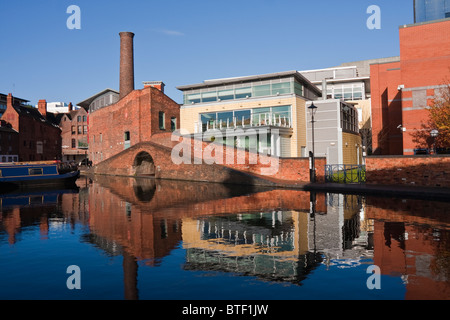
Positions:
{"x": 143, "y": 164}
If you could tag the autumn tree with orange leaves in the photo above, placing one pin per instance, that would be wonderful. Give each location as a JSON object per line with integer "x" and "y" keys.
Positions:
{"x": 439, "y": 119}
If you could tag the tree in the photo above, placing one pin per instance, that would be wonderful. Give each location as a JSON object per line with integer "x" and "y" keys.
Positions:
{"x": 439, "y": 118}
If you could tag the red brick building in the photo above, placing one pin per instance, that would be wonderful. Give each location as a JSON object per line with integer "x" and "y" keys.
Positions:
{"x": 119, "y": 120}
{"x": 402, "y": 90}
{"x": 9, "y": 143}
{"x": 39, "y": 133}
{"x": 74, "y": 134}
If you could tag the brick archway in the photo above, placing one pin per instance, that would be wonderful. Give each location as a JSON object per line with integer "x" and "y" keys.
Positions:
{"x": 143, "y": 164}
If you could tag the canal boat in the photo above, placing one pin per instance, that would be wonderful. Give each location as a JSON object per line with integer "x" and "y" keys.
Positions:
{"x": 21, "y": 175}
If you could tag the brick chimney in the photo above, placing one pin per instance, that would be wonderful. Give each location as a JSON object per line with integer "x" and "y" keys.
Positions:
{"x": 70, "y": 106}
{"x": 155, "y": 84}
{"x": 42, "y": 107}
{"x": 126, "y": 64}
{"x": 9, "y": 101}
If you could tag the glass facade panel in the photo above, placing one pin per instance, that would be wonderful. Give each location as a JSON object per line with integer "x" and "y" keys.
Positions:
{"x": 281, "y": 88}
{"x": 193, "y": 98}
{"x": 263, "y": 90}
{"x": 242, "y": 93}
{"x": 224, "y": 118}
{"x": 428, "y": 10}
{"x": 242, "y": 117}
{"x": 209, "y": 96}
{"x": 226, "y": 95}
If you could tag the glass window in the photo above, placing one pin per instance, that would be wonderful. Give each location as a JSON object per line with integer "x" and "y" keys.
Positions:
{"x": 84, "y": 118}
{"x": 209, "y": 96}
{"x": 242, "y": 93}
{"x": 207, "y": 120}
{"x": 173, "y": 124}
{"x": 193, "y": 98}
{"x": 281, "y": 88}
{"x": 35, "y": 171}
{"x": 79, "y": 118}
{"x": 298, "y": 89}
{"x": 127, "y": 136}
{"x": 162, "y": 121}
{"x": 242, "y": 115}
{"x": 263, "y": 90}
{"x": 226, "y": 94}
{"x": 225, "y": 118}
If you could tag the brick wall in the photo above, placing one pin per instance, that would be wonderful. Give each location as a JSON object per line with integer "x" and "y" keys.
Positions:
{"x": 429, "y": 171}
{"x": 196, "y": 168}
{"x": 137, "y": 113}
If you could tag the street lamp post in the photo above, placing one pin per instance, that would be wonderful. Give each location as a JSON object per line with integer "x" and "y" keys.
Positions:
{"x": 312, "y": 108}
{"x": 434, "y": 133}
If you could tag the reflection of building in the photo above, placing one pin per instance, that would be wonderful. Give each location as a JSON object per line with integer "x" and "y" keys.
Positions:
{"x": 427, "y": 10}
{"x": 271, "y": 245}
{"x": 74, "y": 134}
{"x": 273, "y": 103}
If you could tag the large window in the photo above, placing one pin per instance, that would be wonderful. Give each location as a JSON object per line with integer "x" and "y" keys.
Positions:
{"x": 276, "y": 116}
{"x": 347, "y": 91}
{"x": 244, "y": 91}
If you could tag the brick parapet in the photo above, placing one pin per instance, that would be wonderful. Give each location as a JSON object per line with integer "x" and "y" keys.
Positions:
{"x": 427, "y": 171}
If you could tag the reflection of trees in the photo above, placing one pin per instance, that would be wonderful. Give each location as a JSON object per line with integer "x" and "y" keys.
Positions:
{"x": 441, "y": 265}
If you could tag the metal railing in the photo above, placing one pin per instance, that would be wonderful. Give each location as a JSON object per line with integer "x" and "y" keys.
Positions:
{"x": 255, "y": 120}
{"x": 345, "y": 173}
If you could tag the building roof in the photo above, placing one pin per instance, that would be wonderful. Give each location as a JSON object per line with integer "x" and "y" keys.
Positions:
{"x": 87, "y": 102}
{"x": 224, "y": 81}
{"x": 4, "y": 96}
{"x": 50, "y": 118}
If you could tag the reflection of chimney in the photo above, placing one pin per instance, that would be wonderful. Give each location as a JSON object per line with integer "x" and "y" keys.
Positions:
{"x": 42, "y": 107}
{"x": 126, "y": 64}
{"x": 70, "y": 106}
{"x": 155, "y": 84}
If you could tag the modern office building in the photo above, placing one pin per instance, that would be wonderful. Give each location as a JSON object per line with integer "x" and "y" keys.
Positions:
{"x": 402, "y": 91}
{"x": 428, "y": 10}
{"x": 274, "y": 109}
{"x": 350, "y": 82}
{"x": 273, "y": 105}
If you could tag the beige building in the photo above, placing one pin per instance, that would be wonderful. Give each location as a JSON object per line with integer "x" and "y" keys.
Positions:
{"x": 269, "y": 114}
{"x": 265, "y": 113}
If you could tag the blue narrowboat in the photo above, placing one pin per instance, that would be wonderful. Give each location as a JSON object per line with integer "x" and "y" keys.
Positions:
{"x": 36, "y": 175}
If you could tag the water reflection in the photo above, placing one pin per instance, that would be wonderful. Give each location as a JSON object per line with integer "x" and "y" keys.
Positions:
{"x": 273, "y": 235}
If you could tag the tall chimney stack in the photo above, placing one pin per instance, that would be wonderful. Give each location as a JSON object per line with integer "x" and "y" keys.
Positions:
{"x": 126, "y": 64}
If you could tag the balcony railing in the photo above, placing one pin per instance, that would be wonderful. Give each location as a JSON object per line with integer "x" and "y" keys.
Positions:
{"x": 255, "y": 120}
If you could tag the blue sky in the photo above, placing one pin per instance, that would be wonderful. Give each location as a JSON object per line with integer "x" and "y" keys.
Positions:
{"x": 183, "y": 42}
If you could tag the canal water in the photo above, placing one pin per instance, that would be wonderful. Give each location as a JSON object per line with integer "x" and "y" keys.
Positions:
{"x": 127, "y": 238}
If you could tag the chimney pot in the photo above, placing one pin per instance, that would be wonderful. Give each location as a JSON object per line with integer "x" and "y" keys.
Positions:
{"x": 70, "y": 106}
